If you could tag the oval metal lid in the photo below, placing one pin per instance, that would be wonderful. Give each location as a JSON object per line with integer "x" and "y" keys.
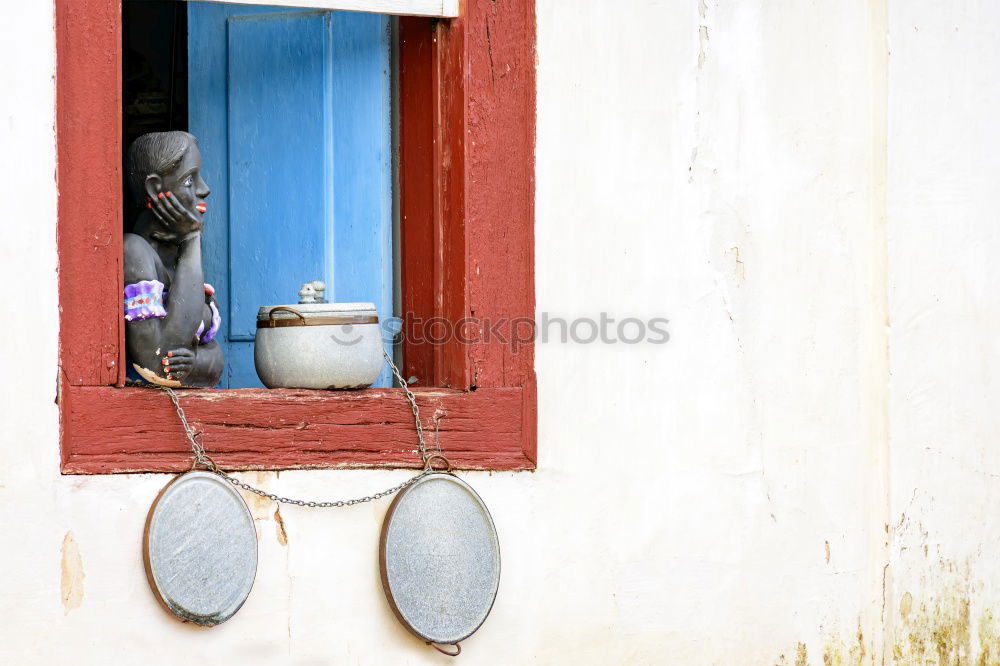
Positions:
{"x": 440, "y": 559}
{"x": 200, "y": 548}
{"x": 309, "y": 310}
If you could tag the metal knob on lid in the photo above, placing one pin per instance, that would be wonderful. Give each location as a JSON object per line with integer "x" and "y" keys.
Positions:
{"x": 312, "y": 292}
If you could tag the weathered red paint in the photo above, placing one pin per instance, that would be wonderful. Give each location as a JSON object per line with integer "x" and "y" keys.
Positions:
{"x": 472, "y": 225}
{"x": 281, "y": 429}
{"x": 88, "y": 125}
{"x": 432, "y": 193}
{"x": 467, "y": 201}
{"x": 500, "y": 180}
{"x": 417, "y": 185}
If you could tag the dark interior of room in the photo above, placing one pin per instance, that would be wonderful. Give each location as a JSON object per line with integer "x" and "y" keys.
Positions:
{"x": 154, "y": 73}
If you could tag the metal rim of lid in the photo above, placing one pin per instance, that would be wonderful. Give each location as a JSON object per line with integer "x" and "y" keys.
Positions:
{"x": 310, "y": 310}
{"x": 172, "y": 486}
{"x": 387, "y": 588}
{"x": 333, "y": 320}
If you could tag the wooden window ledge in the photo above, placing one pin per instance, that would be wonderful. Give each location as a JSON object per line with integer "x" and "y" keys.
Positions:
{"x": 120, "y": 430}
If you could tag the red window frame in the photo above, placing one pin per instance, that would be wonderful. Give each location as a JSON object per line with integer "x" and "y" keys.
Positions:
{"x": 467, "y": 137}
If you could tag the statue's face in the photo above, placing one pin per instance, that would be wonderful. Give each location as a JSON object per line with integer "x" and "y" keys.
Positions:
{"x": 187, "y": 185}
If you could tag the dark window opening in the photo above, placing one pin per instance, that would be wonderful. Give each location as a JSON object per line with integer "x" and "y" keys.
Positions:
{"x": 154, "y": 74}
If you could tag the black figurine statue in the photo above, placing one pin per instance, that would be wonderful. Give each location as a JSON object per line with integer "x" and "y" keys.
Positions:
{"x": 171, "y": 315}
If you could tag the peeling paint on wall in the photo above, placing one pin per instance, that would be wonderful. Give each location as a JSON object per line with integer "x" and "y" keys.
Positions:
{"x": 260, "y": 507}
{"x": 279, "y": 527}
{"x": 71, "y": 577}
{"x": 702, "y": 33}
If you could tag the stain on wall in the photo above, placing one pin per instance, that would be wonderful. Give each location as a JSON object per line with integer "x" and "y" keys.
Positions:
{"x": 71, "y": 577}
{"x": 801, "y": 656}
{"x": 989, "y": 640}
{"x": 934, "y": 625}
{"x": 838, "y": 653}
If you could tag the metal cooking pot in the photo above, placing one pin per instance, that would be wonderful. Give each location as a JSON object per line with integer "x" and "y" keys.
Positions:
{"x": 318, "y": 345}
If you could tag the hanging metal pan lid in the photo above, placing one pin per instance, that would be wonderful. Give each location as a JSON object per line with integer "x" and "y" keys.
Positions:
{"x": 200, "y": 548}
{"x": 440, "y": 559}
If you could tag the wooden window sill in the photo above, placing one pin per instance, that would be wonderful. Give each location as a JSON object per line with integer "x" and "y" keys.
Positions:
{"x": 110, "y": 430}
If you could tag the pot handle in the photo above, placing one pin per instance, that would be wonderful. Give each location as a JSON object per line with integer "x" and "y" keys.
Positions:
{"x": 282, "y": 308}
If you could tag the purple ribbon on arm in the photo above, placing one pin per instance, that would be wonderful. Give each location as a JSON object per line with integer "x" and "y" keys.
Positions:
{"x": 214, "y": 328}
{"x": 144, "y": 300}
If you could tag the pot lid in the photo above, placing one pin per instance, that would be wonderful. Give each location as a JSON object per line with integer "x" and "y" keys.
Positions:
{"x": 311, "y": 310}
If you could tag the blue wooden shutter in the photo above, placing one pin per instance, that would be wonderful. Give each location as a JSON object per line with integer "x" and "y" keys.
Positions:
{"x": 292, "y": 111}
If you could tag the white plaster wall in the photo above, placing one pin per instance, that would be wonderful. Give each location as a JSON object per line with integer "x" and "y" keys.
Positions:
{"x": 943, "y": 201}
{"x": 721, "y": 499}
{"x": 712, "y": 162}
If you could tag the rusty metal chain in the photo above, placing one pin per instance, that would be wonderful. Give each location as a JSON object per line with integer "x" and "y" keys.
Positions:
{"x": 203, "y": 459}
{"x": 412, "y": 399}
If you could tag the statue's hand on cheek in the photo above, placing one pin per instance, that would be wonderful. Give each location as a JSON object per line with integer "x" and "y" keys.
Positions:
{"x": 174, "y": 216}
{"x": 178, "y": 364}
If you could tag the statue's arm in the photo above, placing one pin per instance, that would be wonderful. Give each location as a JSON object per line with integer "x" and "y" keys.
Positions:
{"x": 149, "y": 340}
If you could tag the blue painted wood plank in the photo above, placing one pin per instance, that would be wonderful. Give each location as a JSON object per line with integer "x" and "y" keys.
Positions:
{"x": 362, "y": 150}
{"x": 294, "y": 126}
{"x": 208, "y": 120}
{"x": 280, "y": 192}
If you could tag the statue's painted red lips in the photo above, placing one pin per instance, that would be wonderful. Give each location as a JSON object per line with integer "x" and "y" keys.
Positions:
{"x": 202, "y": 207}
